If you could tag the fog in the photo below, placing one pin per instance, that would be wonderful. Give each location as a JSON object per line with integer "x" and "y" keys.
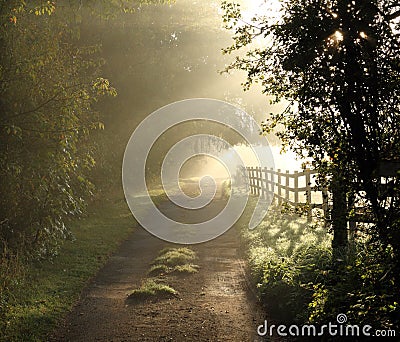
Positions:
{"x": 167, "y": 53}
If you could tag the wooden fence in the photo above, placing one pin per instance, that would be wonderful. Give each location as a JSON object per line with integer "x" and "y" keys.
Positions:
{"x": 298, "y": 188}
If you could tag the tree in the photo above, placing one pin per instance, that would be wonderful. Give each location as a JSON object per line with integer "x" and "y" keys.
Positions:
{"x": 337, "y": 63}
{"x": 49, "y": 83}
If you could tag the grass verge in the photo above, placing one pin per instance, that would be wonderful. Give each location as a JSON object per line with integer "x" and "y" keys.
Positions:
{"x": 287, "y": 256}
{"x": 51, "y": 287}
{"x": 291, "y": 264}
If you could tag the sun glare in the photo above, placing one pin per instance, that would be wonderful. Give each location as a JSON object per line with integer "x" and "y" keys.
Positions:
{"x": 268, "y": 8}
{"x": 284, "y": 161}
{"x": 335, "y": 38}
{"x": 338, "y": 36}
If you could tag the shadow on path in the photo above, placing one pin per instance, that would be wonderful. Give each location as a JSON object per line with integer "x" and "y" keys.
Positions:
{"x": 214, "y": 304}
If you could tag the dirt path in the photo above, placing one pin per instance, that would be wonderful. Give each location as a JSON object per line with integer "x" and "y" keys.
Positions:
{"x": 213, "y": 305}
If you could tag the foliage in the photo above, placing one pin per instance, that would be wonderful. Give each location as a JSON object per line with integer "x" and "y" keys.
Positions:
{"x": 226, "y": 189}
{"x": 42, "y": 292}
{"x": 306, "y": 61}
{"x": 336, "y": 63}
{"x": 364, "y": 294}
{"x": 287, "y": 256}
{"x": 50, "y": 87}
{"x": 290, "y": 264}
{"x": 49, "y": 83}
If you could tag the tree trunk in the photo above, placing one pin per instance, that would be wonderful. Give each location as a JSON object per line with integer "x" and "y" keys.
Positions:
{"x": 339, "y": 219}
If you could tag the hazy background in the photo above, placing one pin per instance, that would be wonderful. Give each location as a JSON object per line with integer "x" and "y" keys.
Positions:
{"x": 166, "y": 53}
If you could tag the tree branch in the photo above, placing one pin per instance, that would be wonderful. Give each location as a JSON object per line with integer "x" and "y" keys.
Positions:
{"x": 43, "y": 104}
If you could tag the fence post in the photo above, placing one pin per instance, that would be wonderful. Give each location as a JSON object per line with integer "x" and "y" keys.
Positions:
{"x": 262, "y": 181}
{"x": 248, "y": 177}
{"x": 254, "y": 176}
{"x": 264, "y": 189}
{"x": 253, "y": 189}
{"x": 296, "y": 187}
{"x": 279, "y": 187}
{"x": 325, "y": 202}
{"x": 248, "y": 170}
{"x": 265, "y": 180}
{"x": 287, "y": 183}
{"x": 256, "y": 189}
{"x": 272, "y": 184}
{"x": 308, "y": 194}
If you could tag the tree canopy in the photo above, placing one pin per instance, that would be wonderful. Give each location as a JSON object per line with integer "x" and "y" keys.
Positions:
{"x": 337, "y": 64}
{"x": 50, "y": 82}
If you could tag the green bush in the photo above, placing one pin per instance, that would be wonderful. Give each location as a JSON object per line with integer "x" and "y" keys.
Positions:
{"x": 363, "y": 290}
{"x": 291, "y": 265}
{"x": 287, "y": 256}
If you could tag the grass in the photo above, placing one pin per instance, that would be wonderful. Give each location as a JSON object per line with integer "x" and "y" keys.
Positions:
{"x": 158, "y": 269}
{"x": 174, "y": 261}
{"x": 175, "y": 256}
{"x": 286, "y": 255}
{"x": 291, "y": 265}
{"x": 53, "y": 286}
{"x": 169, "y": 261}
{"x": 185, "y": 269}
{"x": 152, "y": 289}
